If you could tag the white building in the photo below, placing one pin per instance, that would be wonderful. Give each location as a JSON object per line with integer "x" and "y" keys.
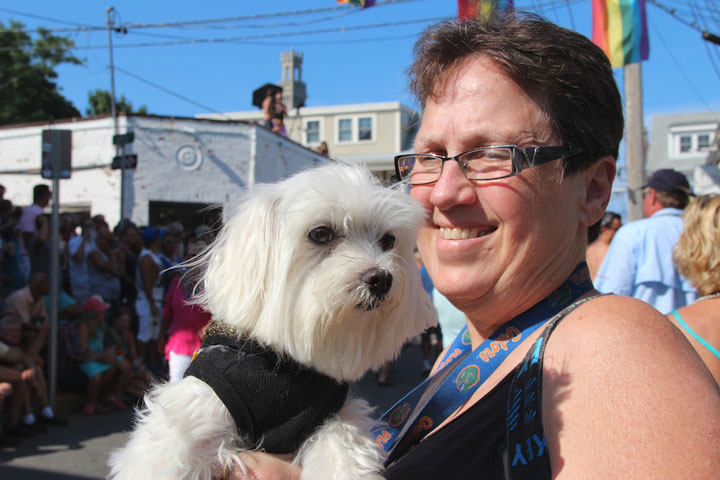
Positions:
{"x": 183, "y": 166}
{"x": 688, "y": 143}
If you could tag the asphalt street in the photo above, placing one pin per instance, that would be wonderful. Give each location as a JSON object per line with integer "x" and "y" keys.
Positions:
{"x": 79, "y": 450}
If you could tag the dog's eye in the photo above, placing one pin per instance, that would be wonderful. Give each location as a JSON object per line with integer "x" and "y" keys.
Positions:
{"x": 321, "y": 235}
{"x": 387, "y": 241}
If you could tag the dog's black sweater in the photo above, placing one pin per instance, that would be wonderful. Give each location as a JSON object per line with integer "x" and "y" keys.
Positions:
{"x": 276, "y": 403}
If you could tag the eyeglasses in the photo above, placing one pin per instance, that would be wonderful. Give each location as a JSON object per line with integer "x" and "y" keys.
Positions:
{"x": 482, "y": 163}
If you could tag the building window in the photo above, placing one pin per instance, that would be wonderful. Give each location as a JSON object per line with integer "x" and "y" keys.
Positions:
{"x": 703, "y": 143}
{"x": 312, "y": 132}
{"x": 345, "y": 130}
{"x": 365, "y": 128}
{"x": 685, "y": 143}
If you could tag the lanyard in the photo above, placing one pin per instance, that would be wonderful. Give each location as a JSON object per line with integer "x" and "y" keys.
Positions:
{"x": 463, "y": 370}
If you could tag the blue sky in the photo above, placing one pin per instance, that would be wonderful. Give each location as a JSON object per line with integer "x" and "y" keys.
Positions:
{"x": 352, "y": 66}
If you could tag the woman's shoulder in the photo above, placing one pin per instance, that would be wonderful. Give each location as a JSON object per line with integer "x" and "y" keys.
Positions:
{"x": 621, "y": 383}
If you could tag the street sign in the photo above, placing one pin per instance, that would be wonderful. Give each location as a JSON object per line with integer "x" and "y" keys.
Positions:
{"x": 56, "y": 143}
{"x": 124, "y": 139}
{"x": 130, "y": 162}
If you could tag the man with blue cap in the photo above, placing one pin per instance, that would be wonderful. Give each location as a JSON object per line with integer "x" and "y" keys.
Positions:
{"x": 639, "y": 261}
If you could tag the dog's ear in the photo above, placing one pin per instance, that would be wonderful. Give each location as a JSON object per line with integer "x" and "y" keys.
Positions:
{"x": 240, "y": 264}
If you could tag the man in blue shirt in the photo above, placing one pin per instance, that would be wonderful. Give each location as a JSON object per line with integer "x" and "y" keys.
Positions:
{"x": 639, "y": 261}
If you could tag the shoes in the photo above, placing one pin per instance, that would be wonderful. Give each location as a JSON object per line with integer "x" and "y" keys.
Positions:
{"x": 8, "y": 441}
{"x": 19, "y": 430}
{"x": 54, "y": 420}
{"x": 36, "y": 427}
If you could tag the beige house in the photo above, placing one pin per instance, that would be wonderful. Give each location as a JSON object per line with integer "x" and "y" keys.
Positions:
{"x": 370, "y": 134}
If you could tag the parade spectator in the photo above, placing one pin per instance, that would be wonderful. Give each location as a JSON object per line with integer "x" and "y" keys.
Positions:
{"x": 697, "y": 256}
{"x": 129, "y": 247}
{"x": 124, "y": 341}
{"x": 14, "y": 394}
{"x": 183, "y": 323}
{"x": 278, "y": 115}
{"x": 106, "y": 373}
{"x": 39, "y": 249}
{"x": 639, "y": 262}
{"x": 31, "y": 367}
{"x": 28, "y": 303}
{"x": 150, "y": 297}
{"x": 103, "y": 269}
{"x": 13, "y": 271}
{"x": 450, "y": 319}
{"x": 268, "y": 107}
{"x": 168, "y": 260}
{"x": 431, "y": 339}
{"x": 41, "y": 199}
{"x": 598, "y": 248}
{"x": 78, "y": 249}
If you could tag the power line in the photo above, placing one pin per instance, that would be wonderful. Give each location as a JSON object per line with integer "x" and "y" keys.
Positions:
{"x": 81, "y": 27}
{"x": 256, "y": 37}
{"x": 168, "y": 91}
{"x": 677, "y": 65}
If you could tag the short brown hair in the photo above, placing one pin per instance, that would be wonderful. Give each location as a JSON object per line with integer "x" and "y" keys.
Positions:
{"x": 569, "y": 76}
{"x": 697, "y": 253}
{"x": 678, "y": 198}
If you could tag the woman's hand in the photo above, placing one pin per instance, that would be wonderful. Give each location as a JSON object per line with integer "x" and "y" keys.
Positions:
{"x": 265, "y": 466}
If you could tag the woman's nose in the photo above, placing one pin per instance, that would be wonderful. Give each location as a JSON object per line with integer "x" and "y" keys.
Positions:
{"x": 452, "y": 188}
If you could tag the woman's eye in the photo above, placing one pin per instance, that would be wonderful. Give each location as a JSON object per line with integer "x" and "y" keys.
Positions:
{"x": 387, "y": 241}
{"x": 321, "y": 235}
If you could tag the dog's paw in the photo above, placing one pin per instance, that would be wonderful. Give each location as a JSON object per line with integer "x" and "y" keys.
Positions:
{"x": 343, "y": 449}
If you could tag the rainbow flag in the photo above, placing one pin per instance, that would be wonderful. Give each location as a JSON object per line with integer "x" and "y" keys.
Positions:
{"x": 359, "y": 3}
{"x": 472, "y": 9}
{"x": 620, "y": 29}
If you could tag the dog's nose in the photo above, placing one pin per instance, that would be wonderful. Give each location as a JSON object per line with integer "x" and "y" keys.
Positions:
{"x": 378, "y": 281}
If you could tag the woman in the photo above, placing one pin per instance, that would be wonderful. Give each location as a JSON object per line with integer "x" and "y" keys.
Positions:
{"x": 106, "y": 372}
{"x": 614, "y": 391}
{"x": 697, "y": 257}
{"x": 183, "y": 323}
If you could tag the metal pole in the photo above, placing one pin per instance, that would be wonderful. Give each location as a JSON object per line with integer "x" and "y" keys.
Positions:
{"x": 634, "y": 137}
{"x": 54, "y": 270}
{"x": 113, "y": 110}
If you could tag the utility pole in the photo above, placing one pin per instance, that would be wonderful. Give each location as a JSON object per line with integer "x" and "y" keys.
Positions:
{"x": 113, "y": 112}
{"x": 634, "y": 138}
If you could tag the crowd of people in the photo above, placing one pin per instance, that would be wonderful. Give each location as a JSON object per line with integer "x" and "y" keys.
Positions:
{"x": 517, "y": 149}
{"x": 123, "y": 316}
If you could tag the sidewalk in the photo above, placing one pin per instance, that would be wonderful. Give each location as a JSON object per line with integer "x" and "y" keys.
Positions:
{"x": 79, "y": 450}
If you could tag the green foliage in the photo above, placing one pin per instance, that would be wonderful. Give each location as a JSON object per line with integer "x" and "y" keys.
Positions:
{"x": 28, "y": 90}
{"x": 99, "y": 101}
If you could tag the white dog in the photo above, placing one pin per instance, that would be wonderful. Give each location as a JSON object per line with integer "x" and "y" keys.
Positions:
{"x": 311, "y": 284}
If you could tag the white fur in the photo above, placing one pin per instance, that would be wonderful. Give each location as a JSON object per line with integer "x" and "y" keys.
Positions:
{"x": 266, "y": 278}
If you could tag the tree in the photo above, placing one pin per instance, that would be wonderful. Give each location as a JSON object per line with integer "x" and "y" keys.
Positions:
{"x": 100, "y": 102}
{"x": 28, "y": 88}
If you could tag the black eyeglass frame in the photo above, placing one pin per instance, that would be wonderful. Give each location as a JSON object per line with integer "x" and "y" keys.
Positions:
{"x": 522, "y": 158}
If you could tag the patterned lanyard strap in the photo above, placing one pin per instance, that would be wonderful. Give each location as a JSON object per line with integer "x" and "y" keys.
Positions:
{"x": 463, "y": 370}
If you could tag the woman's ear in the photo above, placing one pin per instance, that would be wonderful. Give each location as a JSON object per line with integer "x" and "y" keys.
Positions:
{"x": 598, "y": 187}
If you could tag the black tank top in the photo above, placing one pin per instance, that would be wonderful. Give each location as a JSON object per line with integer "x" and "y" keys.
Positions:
{"x": 469, "y": 447}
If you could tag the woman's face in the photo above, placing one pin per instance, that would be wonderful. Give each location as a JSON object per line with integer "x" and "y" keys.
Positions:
{"x": 514, "y": 239}
{"x": 122, "y": 323}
